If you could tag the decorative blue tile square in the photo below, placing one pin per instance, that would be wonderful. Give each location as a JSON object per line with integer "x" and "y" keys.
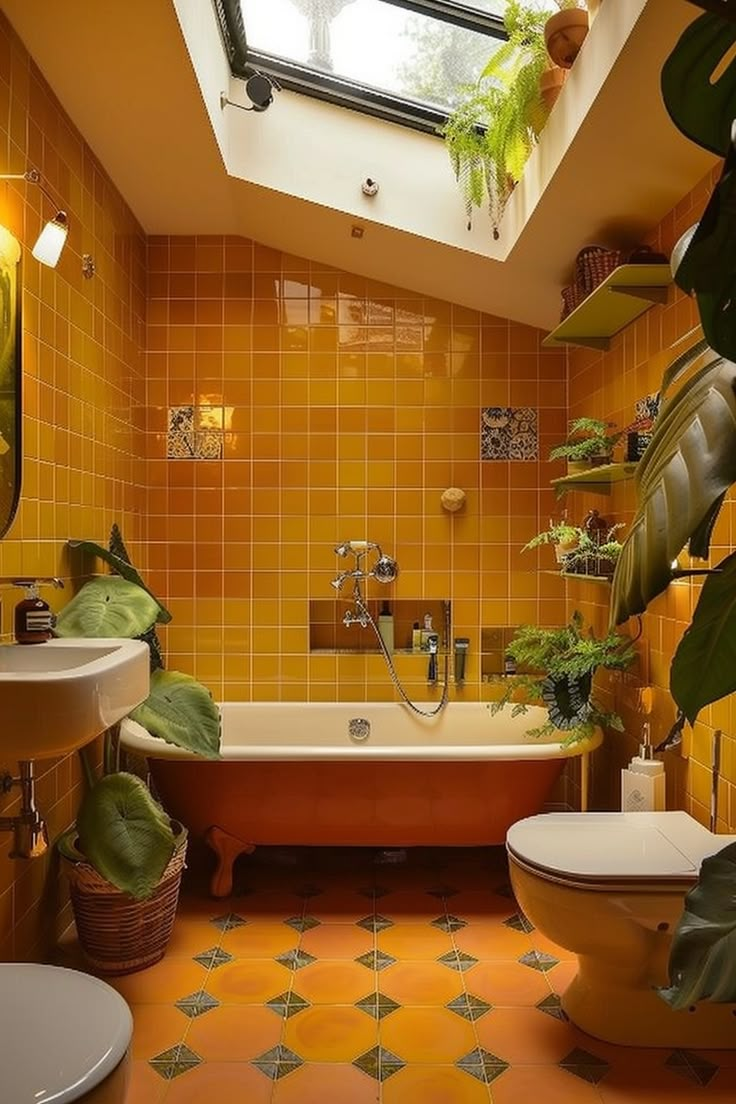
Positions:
{"x": 509, "y": 433}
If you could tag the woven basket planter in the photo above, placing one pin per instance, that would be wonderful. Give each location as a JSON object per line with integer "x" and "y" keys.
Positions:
{"x": 118, "y": 934}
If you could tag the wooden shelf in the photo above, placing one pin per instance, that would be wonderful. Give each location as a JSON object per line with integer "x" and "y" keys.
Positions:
{"x": 630, "y": 290}
{"x": 598, "y": 479}
{"x": 579, "y": 575}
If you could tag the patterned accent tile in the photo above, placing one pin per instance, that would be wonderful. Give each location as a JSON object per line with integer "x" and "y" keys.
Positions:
{"x": 504, "y": 890}
{"x": 208, "y": 444}
{"x": 308, "y": 890}
{"x": 552, "y": 1005}
{"x": 288, "y": 1004}
{"x": 175, "y": 1061}
{"x": 296, "y": 959}
{"x": 483, "y": 1065}
{"x": 229, "y": 921}
{"x": 449, "y": 923}
{"x": 458, "y": 960}
{"x": 302, "y": 923}
{"x": 374, "y": 923}
{"x": 442, "y": 891}
{"x": 509, "y": 433}
{"x": 379, "y": 1063}
{"x": 538, "y": 960}
{"x": 213, "y": 957}
{"x": 375, "y": 960}
{"x": 277, "y": 1062}
{"x": 180, "y": 433}
{"x": 692, "y": 1066}
{"x": 586, "y": 1066}
{"x": 469, "y": 1006}
{"x": 518, "y": 922}
{"x": 648, "y": 407}
{"x": 377, "y": 1005}
{"x": 196, "y": 1004}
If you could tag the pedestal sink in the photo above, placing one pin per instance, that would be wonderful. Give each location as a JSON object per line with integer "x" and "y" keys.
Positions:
{"x": 57, "y": 696}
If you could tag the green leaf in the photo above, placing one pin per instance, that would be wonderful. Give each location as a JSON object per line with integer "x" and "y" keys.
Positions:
{"x": 125, "y": 834}
{"x": 703, "y": 956}
{"x": 700, "y": 108}
{"x": 108, "y": 606}
{"x": 689, "y": 464}
{"x": 704, "y": 666}
{"x": 121, "y": 567}
{"x": 180, "y": 710}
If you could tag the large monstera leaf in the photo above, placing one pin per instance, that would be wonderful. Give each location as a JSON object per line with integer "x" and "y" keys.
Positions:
{"x": 701, "y": 108}
{"x": 108, "y": 606}
{"x": 121, "y": 566}
{"x": 703, "y": 956}
{"x": 181, "y": 711}
{"x": 689, "y": 465}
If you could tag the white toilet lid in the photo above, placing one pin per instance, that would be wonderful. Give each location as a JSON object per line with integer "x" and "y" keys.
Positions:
{"x": 61, "y": 1033}
{"x": 614, "y": 847}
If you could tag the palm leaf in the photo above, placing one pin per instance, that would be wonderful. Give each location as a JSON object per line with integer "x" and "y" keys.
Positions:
{"x": 688, "y": 465}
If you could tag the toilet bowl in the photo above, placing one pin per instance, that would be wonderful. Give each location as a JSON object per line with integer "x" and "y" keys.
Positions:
{"x": 610, "y": 888}
{"x": 64, "y": 1036}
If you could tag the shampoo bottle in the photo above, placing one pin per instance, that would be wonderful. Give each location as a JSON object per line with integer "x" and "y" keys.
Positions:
{"x": 643, "y": 783}
{"x": 416, "y": 638}
{"x": 33, "y": 617}
{"x": 386, "y": 627}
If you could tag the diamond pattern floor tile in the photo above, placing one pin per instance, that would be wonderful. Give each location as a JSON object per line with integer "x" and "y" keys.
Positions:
{"x": 196, "y": 1004}
{"x": 229, "y": 921}
{"x": 377, "y": 1005}
{"x": 213, "y": 958}
{"x": 172, "y": 1063}
{"x": 482, "y": 1065}
{"x": 469, "y": 1006}
{"x": 692, "y": 1066}
{"x": 589, "y": 1067}
{"x": 277, "y": 1062}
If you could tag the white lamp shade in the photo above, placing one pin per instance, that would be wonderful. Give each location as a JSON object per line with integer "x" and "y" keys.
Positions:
{"x": 51, "y": 240}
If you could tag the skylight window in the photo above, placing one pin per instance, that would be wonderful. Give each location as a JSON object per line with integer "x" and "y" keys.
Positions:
{"x": 404, "y": 60}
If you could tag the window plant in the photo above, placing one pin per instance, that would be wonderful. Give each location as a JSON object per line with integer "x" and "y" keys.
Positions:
{"x": 589, "y": 444}
{"x": 566, "y": 659}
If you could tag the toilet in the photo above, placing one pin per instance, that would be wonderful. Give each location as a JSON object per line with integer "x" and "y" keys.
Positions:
{"x": 610, "y": 888}
{"x": 64, "y": 1036}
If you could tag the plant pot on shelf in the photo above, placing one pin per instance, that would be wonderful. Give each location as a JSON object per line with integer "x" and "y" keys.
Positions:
{"x": 550, "y": 84}
{"x": 119, "y": 934}
{"x": 564, "y": 34}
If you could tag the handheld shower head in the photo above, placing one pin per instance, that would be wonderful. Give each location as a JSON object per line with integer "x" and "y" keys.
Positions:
{"x": 339, "y": 580}
{"x": 385, "y": 569}
{"x": 343, "y": 549}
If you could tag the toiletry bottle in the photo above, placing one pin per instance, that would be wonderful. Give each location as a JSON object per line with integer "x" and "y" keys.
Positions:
{"x": 509, "y": 665}
{"x": 33, "y": 617}
{"x": 386, "y": 627}
{"x": 427, "y": 631}
{"x": 462, "y": 643}
{"x": 416, "y": 638}
{"x": 643, "y": 783}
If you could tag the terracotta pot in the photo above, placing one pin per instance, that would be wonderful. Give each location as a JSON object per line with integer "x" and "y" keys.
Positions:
{"x": 550, "y": 84}
{"x": 564, "y": 34}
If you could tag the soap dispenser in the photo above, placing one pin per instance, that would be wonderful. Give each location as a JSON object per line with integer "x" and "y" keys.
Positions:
{"x": 643, "y": 783}
{"x": 386, "y": 627}
{"x": 33, "y": 616}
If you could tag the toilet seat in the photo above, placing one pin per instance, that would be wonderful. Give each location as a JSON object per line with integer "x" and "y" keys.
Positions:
{"x": 62, "y": 1033}
{"x": 606, "y": 851}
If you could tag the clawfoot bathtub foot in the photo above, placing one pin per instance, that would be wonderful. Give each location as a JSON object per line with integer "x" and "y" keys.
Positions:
{"x": 226, "y": 848}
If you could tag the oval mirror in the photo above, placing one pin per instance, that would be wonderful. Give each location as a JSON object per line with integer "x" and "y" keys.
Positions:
{"x": 10, "y": 378}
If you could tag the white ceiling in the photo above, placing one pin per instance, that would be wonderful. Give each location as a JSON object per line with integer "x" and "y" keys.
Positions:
{"x": 141, "y": 79}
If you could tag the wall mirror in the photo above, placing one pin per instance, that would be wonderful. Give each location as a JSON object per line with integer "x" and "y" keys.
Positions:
{"x": 10, "y": 378}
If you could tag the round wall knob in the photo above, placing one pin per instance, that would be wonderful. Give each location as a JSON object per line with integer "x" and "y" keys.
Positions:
{"x": 453, "y": 499}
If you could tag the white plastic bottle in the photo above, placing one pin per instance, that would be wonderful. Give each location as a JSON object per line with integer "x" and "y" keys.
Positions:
{"x": 643, "y": 783}
{"x": 386, "y": 627}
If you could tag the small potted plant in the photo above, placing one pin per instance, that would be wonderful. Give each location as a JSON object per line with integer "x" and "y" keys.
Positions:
{"x": 561, "y": 535}
{"x": 589, "y": 444}
{"x": 565, "y": 32}
{"x": 596, "y": 553}
{"x": 124, "y": 856}
{"x": 565, "y": 660}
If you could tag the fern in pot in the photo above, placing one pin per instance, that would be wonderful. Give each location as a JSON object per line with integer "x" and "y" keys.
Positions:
{"x": 124, "y": 856}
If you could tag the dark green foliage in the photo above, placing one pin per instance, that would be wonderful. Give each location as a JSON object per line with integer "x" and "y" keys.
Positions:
{"x": 587, "y": 437}
{"x": 701, "y": 110}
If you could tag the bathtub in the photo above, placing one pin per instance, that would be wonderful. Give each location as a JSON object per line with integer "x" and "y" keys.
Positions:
{"x": 352, "y": 773}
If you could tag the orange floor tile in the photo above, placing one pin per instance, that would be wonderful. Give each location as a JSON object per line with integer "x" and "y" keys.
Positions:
{"x": 380, "y": 978}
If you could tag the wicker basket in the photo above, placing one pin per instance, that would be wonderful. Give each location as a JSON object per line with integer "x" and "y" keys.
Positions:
{"x": 593, "y": 264}
{"x": 572, "y": 297}
{"x": 118, "y": 934}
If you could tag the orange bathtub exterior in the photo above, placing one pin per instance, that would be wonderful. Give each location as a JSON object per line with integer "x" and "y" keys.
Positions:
{"x": 381, "y": 804}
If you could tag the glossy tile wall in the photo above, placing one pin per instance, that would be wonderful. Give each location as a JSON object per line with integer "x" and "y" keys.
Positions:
{"x": 292, "y": 406}
{"x": 607, "y": 386}
{"x": 82, "y": 413}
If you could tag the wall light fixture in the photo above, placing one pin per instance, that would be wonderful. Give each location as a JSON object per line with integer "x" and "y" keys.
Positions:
{"x": 52, "y": 238}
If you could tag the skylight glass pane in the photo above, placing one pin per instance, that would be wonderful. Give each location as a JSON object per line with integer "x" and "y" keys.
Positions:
{"x": 374, "y": 43}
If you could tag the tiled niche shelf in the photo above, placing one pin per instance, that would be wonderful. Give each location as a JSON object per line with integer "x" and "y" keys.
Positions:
{"x": 629, "y": 291}
{"x": 328, "y": 634}
{"x": 598, "y": 479}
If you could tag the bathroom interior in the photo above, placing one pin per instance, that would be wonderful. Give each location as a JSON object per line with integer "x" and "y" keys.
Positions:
{"x": 313, "y": 399}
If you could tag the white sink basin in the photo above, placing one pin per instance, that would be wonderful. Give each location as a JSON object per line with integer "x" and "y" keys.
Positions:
{"x": 57, "y": 696}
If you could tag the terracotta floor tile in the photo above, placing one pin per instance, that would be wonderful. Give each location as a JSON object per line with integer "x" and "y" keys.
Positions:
{"x": 334, "y": 982}
{"x": 221, "y": 1083}
{"x": 260, "y": 938}
{"x": 333, "y": 1083}
{"x": 164, "y": 983}
{"x": 415, "y": 942}
{"x": 561, "y": 976}
{"x": 192, "y": 935}
{"x": 336, "y": 941}
{"x": 330, "y": 1033}
{"x": 546, "y": 1085}
{"x": 435, "y": 1085}
{"x": 526, "y": 1036}
{"x": 417, "y": 983}
{"x": 631, "y": 1085}
{"x": 156, "y": 1027}
{"x": 234, "y": 1032}
{"x": 339, "y": 906}
{"x": 248, "y": 981}
{"x": 427, "y": 1035}
{"x": 409, "y": 906}
{"x": 275, "y": 904}
{"x": 144, "y": 1085}
{"x": 480, "y": 905}
{"x": 507, "y": 983}
{"x": 492, "y": 940}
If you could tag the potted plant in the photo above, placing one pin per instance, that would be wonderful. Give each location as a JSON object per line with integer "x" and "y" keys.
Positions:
{"x": 589, "y": 444}
{"x": 495, "y": 127}
{"x": 124, "y": 856}
{"x": 563, "y": 536}
{"x": 596, "y": 552}
{"x": 565, "y": 32}
{"x": 566, "y": 659}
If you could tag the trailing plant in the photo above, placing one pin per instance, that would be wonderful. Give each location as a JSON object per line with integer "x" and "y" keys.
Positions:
{"x": 587, "y": 437}
{"x": 566, "y": 659}
{"x": 122, "y": 831}
{"x": 559, "y": 533}
{"x": 605, "y": 551}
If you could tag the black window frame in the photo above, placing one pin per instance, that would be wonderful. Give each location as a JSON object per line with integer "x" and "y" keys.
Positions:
{"x": 244, "y": 62}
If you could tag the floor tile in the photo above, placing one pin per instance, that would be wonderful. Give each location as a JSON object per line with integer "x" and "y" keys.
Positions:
{"x": 414, "y": 942}
{"x": 190, "y": 936}
{"x": 491, "y": 940}
{"x": 335, "y": 1033}
{"x": 480, "y": 905}
{"x": 335, "y": 941}
{"x": 221, "y": 1083}
{"x": 545, "y": 1084}
{"x": 338, "y": 982}
{"x": 409, "y": 906}
{"x": 144, "y": 1085}
{"x": 432, "y": 1084}
{"x": 333, "y": 1083}
{"x": 248, "y": 981}
{"x": 260, "y": 938}
{"x": 427, "y": 1035}
{"x": 561, "y": 976}
{"x": 507, "y": 983}
{"x": 235, "y": 1032}
{"x": 339, "y": 906}
{"x": 421, "y": 983}
{"x": 526, "y": 1036}
{"x": 156, "y": 1027}
{"x": 163, "y": 983}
